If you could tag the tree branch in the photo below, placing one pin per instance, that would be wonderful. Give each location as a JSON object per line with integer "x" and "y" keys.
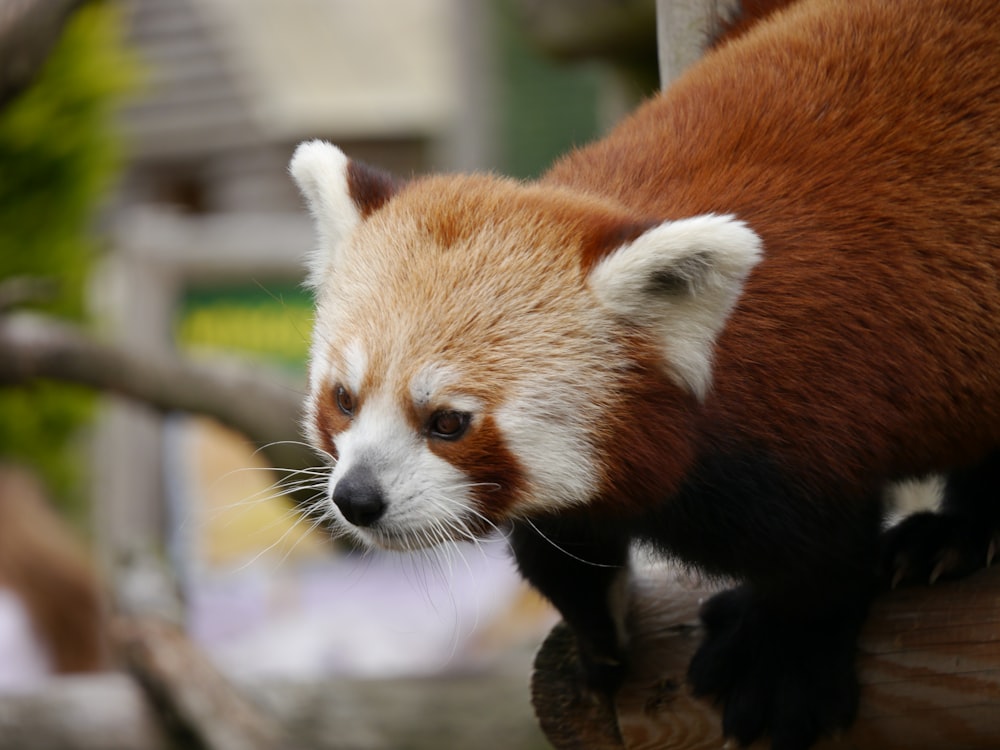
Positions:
{"x": 929, "y": 669}
{"x": 256, "y": 404}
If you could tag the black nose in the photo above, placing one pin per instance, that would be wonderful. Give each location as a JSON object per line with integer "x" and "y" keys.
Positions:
{"x": 359, "y": 496}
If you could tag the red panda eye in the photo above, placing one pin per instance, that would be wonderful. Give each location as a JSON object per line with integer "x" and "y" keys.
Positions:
{"x": 448, "y": 425}
{"x": 345, "y": 401}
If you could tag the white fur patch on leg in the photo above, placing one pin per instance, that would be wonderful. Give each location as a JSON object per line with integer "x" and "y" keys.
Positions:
{"x": 618, "y": 601}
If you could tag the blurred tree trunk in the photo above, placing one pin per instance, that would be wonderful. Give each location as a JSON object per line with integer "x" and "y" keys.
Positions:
{"x": 256, "y": 403}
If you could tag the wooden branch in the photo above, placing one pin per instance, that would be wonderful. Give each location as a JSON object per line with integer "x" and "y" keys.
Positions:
{"x": 929, "y": 668}
{"x": 106, "y": 711}
{"x": 16, "y": 291}
{"x": 257, "y": 404}
{"x": 110, "y": 711}
{"x": 198, "y": 706}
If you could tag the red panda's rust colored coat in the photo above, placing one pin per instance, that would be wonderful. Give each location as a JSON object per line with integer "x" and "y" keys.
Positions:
{"x": 874, "y": 318}
{"x": 722, "y": 330}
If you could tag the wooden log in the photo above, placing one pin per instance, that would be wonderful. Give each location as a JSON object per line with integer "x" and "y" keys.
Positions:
{"x": 929, "y": 670}
{"x": 199, "y": 707}
{"x": 110, "y": 711}
{"x": 478, "y": 711}
{"x": 106, "y": 711}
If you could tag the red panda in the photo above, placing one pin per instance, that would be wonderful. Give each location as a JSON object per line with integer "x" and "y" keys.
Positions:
{"x": 722, "y": 330}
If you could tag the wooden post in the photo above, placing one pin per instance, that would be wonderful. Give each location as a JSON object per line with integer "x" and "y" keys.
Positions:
{"x": 157, "y": 254}
{"x": 682, "y": 28}
{"x": 929, "y": 669}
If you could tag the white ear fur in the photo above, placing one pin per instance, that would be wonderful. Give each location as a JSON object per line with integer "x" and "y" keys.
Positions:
{"x": 681, "y": 279}
{"x": 320, "y": 171}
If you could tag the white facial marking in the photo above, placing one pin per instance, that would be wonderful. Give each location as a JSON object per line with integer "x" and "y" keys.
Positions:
{"x": 427, "y": 499}
{"x": 681, "y": 279}
{"x": 319, "y": 369}
{"x": 437, "y": 385}
{"x": 355, "y": 366}
{"x": 546, "y": 426}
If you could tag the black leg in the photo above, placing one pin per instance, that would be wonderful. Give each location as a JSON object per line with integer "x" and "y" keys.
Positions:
{"x": 779, "y": 670}
{"x": 954, "y": 542}
{"x": 582, "y": 569}
{"x": 778, "y": 653}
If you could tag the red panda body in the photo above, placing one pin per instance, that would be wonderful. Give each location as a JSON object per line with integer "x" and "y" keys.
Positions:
{"x": 866, "y": 344}
{"x": 724, "y": 329}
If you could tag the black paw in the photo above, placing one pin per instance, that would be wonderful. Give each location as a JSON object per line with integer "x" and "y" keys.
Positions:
{"x": 927, "y": 547}
{"x": 602, "y": 674}
{"x": 792, "y": 680}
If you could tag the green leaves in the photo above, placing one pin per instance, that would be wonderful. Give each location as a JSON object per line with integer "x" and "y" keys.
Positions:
{"x": 59, "y": 154}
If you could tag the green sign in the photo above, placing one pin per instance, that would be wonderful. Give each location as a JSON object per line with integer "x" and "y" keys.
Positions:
{"x": 268, "y": 320}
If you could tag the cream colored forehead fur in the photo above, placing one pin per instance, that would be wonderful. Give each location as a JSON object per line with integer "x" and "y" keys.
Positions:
{"x": 482, "y": 275}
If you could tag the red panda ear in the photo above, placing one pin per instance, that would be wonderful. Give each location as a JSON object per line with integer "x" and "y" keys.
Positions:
{"x": 369, "y": 187}
{"x": 607, "y": 236}
{"x": 680, "y": 280}
{"x": 339, "y": 193}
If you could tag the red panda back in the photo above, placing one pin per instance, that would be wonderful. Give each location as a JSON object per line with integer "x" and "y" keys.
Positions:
{"x": 861, "y": 141}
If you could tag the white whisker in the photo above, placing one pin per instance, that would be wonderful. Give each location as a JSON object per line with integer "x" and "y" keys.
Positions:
{"x": 566, "y": 551}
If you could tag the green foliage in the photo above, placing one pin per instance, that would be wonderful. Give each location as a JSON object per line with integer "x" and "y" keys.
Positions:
{"x": 58, "y": 156}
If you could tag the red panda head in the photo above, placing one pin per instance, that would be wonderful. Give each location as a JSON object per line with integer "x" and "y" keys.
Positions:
{"x": 477, "y": 340}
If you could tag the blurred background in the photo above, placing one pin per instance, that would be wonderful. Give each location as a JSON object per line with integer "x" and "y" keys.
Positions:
{"x": 153, "y": 330}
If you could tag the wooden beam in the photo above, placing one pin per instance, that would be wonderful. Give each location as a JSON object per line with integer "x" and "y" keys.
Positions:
{"x": 682, "y": 28}
{"x": 929, "y": 669}
{"x": 167, "y": 680}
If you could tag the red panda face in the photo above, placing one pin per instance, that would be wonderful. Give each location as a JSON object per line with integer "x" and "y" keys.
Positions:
{"x": 465, "y": 370}
{"x": 457, "y": 369}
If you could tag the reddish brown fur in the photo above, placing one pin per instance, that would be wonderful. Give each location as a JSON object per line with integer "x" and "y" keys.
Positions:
{"x": 870, "y": 177}
{"x": 485, "y": 458}
{"x": 330, "y": 421}
{"x": 369, "y": 187}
